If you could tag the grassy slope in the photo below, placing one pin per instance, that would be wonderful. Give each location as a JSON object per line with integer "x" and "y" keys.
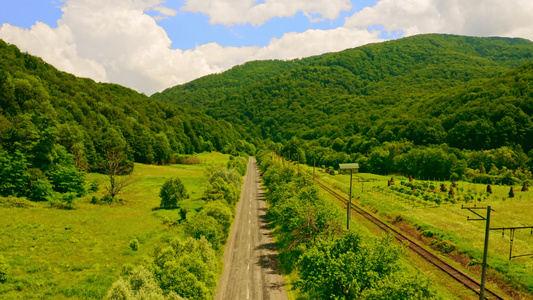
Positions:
{"x": 79, "y": 253}
{"x": 449, "y": 221}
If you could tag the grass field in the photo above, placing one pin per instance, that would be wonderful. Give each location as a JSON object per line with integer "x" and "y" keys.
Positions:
{"x": 79, "y": 253}
{"x": 449, "y": 222}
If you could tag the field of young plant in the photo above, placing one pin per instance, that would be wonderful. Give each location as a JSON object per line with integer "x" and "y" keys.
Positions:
{"x": 431, "y": 209}
{"x": 79, "y": 253}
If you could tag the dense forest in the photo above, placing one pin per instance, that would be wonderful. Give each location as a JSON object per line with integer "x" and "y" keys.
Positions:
{"x": 55, "y": 126}
{"x": 429, "y": 105}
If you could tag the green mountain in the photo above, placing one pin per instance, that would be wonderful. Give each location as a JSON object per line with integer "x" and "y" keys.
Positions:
{"x": 53, "y": 122}
{"x": 350, "y": 92}
{"x": 401, "y": 91}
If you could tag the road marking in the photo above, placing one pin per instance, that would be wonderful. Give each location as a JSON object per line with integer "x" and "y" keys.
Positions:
{"x": 247, "y": 293}
{"x": 248, "y": 231}
{"x": 248, "y": 250}
{"x": 249, "y": 221}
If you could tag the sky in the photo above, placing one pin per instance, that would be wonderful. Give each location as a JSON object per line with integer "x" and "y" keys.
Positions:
{"x": 151, "y": 45}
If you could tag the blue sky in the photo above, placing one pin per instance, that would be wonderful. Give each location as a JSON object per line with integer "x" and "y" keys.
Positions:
{"x": 150, "y": 45}
{"x": 25, "y": 13}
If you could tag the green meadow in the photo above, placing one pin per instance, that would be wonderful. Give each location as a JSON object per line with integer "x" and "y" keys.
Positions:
{"x": 447, "y": 221}
{"x": 79, "y": 253}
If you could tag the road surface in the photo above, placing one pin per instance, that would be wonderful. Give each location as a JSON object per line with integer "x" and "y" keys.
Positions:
{"x": 251, "y": 269}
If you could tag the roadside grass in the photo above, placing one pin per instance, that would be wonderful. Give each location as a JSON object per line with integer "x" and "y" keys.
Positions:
{"x": 79, "y": 253}
{"x": 449, "y": 222}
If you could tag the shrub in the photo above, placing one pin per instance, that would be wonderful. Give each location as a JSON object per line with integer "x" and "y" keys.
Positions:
{"x": 191, "y": 160}
{"x": 207, "y": 227}
{"x": 67, "y": 179}
{"x": 3, "y": 269}
{"x": 134, "y": 244}
{"x": 239, "y": 164}
{"x": 228, "y": 175}
{"x": 187, "y": 268}
{"x": 171, "y": 192}
{"x": 40, "y": 190}
{"x": 93, "y": 187}
{"x": 141, "y": 284}
{"x": 221, "y": 213}
{"x": 106, "y": 199}
{"x": 9, "y": 202}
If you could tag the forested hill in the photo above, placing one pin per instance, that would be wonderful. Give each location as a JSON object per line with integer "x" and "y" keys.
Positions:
{"x": 461, "y": 102}
{"x": 203, "y": 91}
{"x": 49, "y": 118}
{"x": 370, "y": 90}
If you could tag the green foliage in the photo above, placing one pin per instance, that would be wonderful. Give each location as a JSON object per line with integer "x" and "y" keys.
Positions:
{"x": 438, "y": 99}
{"x": 4, "y": 270}
{"x": 222, "y": 213}
{"x": 134, "y": 244}
{"x": 239, "y": 164}
{"x": 10, "y": 201}
{"x": 187, "y": 268}
{"x": 172, "y": 192}
{"x": 221, "y": 190}
{"x": 331, "y": 263}
{"x": 205, "y": 227}
{"x": 13, "y": 175}
{"x": 346, "y": 267}
{"x": 227, "y": 175}
{"x": 63, "y": 126}
{"x": 141, "y": 284}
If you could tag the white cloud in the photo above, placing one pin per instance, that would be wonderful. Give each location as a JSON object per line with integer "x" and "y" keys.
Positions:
{"x": 315, "y": 42}
{"x": 165, "y": 11}
{"x": 115, "y": 41}
{"x": 56, "y": 47}
{"x": 511, "y": 18}
{"x": 231, "y": 12}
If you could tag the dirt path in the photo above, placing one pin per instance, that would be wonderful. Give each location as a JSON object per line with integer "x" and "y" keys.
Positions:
{"x": 251, "y": 269}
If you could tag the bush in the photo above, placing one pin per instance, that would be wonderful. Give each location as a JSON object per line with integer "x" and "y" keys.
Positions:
{"x": 67, "y": 179}
{"x": 222, "y": 214}
{"x": 9, "y": 202}
{"x": 93, "y": 187}
{"x": 3, "y": 270}
{"x": 134, "y": 244}
{"x": 239, "y": 164}
{"x": 140, "y": 285}
{"x": 228, "y": 175}
{"x": 207, "y": 227}
{"x": 191, "y": 160}
{"x": 171, "y": 192}
{"x": 40, "y": 190}
{"x": 187, "y": 268}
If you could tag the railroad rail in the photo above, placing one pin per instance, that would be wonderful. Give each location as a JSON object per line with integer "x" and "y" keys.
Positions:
{"x": 457, "y": 274}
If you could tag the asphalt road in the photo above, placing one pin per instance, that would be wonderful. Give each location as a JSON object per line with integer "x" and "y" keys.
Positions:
{"x": 251, "y": 269}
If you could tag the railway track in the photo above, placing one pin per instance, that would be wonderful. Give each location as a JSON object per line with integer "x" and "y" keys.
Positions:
{"x": 457, "y": 274}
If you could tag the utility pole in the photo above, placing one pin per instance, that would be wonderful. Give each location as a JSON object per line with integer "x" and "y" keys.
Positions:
{"x": 511, "y": 237}
{"x": 486, "y": 247}
{"x": 351, "y": 167}
{"x": 314, "y": 161}
{"x": 350, "y": 200}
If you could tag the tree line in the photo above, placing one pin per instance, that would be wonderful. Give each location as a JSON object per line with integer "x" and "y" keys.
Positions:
{"x": 331, "y": 262}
